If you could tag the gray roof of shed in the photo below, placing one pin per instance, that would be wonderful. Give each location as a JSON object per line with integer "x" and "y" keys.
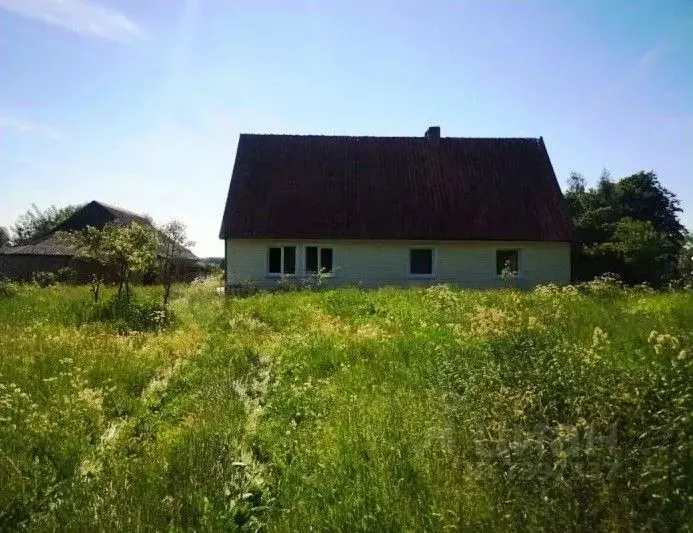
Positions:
{"x": 96, "y": 214}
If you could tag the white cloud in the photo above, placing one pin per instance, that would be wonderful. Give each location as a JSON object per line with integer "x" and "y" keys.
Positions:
{"x": 23, "y": 125}
{"x": 79, "y": 16}
{"x": 651, "y": 56}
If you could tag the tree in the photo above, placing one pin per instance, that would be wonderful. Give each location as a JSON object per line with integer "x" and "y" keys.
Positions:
{"x": 576, "y": 182}
{"x": 4, "y": 236}
{"x": 641, "y": 249}
{"x": 642, "y": 197}
{"x": 173, "y": 243}
{"x": 121, "y": 250}
{"x": 90, "y": 246}
{"x": 685, "y": 265}
{"x": 608, "y": 223}
{"x": 35, "y": 223}
{"x": 129, "y": 249}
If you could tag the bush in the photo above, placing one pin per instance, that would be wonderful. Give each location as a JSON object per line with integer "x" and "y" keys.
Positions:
{"x": 44, "y": 279}
{"x": 245, "y": 288}
{"x": 136, "y": 315}
{"x": 607, "y": 285}
{"x": 8, "y": 288}
{"x": 293, "y": 284}
{"x": 145, "y": 315}
{"x": 66, "y": 275}
{"x": 288, "y": 284}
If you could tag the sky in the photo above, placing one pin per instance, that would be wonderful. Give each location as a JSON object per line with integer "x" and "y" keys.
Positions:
{"x": 140, "y": 104}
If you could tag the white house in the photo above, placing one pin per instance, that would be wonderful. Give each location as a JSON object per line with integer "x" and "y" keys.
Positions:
{"x": 394, "y": 211}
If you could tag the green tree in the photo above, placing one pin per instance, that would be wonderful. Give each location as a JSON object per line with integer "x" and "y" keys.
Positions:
{"x": 685, "y": 264}
{"x": 37, "y": 223}
{"x": 174, "y": 240}
{"x": 576, "y": 183}
{"x": 130, "y": 250}
{"x": 641, "y": 251}
{"x": 121, "y": 250}
{"x": 4, "y": 236}
{"x": 613, "y": 219}
{"x": 90, "y": 246}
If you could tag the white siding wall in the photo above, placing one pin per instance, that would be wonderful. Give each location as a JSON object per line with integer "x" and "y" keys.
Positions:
{"x": 370, "y": 263}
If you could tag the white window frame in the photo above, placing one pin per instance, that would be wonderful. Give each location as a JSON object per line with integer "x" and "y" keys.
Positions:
{"x": 306, "y": 272}
{"x": 434, "y": 261}
{"x": 281, "y": 274}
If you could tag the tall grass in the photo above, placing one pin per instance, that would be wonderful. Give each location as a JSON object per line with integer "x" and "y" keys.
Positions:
{"x": 395, "y": 409}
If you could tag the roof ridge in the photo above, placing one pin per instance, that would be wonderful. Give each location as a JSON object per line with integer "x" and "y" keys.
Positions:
{"x": 110, "y": 206}
{"x": 409, "y": 137}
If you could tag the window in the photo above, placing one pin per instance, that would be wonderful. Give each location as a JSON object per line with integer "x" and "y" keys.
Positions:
{"x": 281, "y": 260}
{"x": 326, "y": 260}
{"x": 507, "y": 259}
{"x": 318, "y": 260}
{"x": 311, "y": 259}
{"x": 421, "y": 261}
{"x": 289, "y": 259}
{"x": 275, "y": 261}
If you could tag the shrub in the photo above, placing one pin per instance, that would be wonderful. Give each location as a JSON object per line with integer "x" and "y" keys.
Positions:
{"x": 66, "y": 275}
{"x": 135, "y": 315}
{"x": 293, "y": 284}
{"x": 8, "y": 288}
{"x": 44, "y": 279}
{"x": 607, "y": 285}
{"x": 288, "y": 284}
{"x": 315, "y": 281}
{"x": 245, "y": 288}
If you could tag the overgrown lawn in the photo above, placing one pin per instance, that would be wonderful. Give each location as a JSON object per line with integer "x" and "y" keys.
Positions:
{"x": 396, "y": 409}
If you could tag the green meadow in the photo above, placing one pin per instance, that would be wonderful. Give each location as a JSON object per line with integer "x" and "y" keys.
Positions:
{"x": 558, "y": 409}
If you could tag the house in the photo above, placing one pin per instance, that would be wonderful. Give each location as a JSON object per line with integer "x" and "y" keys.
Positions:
{"x": 50, "y": 253}
{"x": 395, "y": 211}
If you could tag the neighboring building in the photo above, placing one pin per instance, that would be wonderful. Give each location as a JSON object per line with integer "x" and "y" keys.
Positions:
{"x": 395, "y": 211}
{"x": 50, "y": 253}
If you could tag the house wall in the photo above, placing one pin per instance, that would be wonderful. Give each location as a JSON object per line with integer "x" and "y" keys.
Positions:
{"x": 369, "y": 263}
{"x": 23, "y": 267}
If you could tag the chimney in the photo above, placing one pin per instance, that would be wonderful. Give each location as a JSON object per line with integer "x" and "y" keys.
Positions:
{"x": 433, "y": 133}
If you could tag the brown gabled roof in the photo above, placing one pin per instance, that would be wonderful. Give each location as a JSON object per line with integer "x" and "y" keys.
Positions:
{"x": 415, "y": 188}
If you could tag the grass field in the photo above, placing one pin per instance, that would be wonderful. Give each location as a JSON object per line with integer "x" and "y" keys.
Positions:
{"x": 437, "y": 409}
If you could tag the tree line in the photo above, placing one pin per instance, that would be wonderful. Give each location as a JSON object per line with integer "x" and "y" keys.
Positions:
{"x": 629, "y": 227}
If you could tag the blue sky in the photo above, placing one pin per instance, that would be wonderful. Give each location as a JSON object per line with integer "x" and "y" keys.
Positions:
{"x": 140, "y": 104}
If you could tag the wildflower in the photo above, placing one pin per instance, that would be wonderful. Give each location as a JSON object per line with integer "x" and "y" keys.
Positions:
{"x": 491, "y": 322}
{"x": 370, "y": 332}
{"x": 534, "y": 323}
{"x": 599, "y": 337}
{"x": 663, "y": 341}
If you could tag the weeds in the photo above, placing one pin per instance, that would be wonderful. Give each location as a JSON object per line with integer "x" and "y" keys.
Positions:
{"x": 8, "y": 288}
{"x": 44, "y": 279}
{"x": 563, "y": 408}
